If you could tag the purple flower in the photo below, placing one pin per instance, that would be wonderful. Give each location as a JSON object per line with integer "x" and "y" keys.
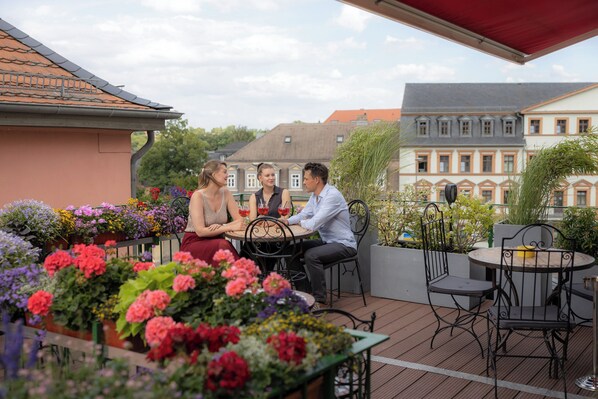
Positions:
{"x": 30, "y": 219}
{"x": 285, "y": 301}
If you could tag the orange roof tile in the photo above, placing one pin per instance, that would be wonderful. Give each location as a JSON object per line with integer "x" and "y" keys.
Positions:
{"x": 371, "y": 115}
{"x": 31, "y": 73}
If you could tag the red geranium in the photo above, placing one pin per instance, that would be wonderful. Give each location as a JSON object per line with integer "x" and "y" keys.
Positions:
{"x": 56, "y": 261}
{"x": 291, "y": 348}
{"x": 39, "y": 303}
{"x": 228, "y": 372}
{"x": 218, "y": 337}
{"x": 155, "y": 193}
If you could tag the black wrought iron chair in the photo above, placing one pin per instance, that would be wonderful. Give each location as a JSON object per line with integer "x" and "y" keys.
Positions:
{"x": 580, "y": 291}
{"x": 180, "y": 208}
{"x": 440, "y": 281}
{"x": 536, "y": 281}
{"x": 359, "y": 216}
{"x": 271, "y": 244}
{"x": 353, "y": 377}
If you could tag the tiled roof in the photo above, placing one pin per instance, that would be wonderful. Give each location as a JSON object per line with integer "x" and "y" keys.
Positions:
{"x": 31, "y": 73}
{"x": 481, "y": 97}
{"x": 308, "y": 142}
{"x": 371, "y": 115}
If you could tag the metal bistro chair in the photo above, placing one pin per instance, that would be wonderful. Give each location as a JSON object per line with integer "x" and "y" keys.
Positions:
{"x": 359, "y": 216}
{"x": 440, "y": 281}
{"x": 537, "y": 299}
{"x": 271, "y": 244}
{"x": 180, "y": 208}
{"x": 353, "y": 377}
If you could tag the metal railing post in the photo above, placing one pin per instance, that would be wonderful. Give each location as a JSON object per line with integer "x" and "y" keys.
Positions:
{"x": 590, "y": 382}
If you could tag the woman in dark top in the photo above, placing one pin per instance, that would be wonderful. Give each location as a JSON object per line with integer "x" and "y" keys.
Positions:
{"x": 269, "y": 195}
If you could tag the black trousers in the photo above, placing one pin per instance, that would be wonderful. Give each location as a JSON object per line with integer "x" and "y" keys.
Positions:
{"x": 317, "y": 256}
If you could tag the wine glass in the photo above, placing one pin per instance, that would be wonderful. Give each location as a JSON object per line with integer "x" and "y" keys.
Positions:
{"x": 284, "y": 210}
{"x": 244, "y": 212}
{"x": 263, "y": 209}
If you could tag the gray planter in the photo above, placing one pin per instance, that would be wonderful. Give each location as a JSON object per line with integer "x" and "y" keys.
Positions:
{"x": 399, "y": 273}
{"x": 349, "y": 280}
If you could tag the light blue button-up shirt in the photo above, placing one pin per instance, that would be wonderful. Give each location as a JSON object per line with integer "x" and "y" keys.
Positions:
{"x": 329, "y": 215}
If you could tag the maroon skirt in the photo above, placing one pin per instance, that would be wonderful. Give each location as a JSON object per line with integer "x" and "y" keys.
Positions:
{"x": 204, "y": 248}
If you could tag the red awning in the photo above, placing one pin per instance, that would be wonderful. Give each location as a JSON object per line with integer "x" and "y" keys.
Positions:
{"x": 516, "y": 30}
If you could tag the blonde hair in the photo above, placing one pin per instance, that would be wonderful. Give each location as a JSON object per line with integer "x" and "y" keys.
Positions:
{"x": 207, "y": 172}
{"x": 262, "y": 166}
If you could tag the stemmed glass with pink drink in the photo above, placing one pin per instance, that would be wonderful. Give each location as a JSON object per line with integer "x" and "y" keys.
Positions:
{"x": 284, "y": 210}
{"x": 263, "y": 209}
{"x": 244, "y": 212}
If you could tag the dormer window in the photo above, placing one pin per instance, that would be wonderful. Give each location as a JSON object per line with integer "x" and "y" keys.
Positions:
{"x": 423, "y": 126}
{"x": 340, "y": 138}
{"x": 287, "y": 139}
{"x": 465, "y": 127}
{"x": 487, "y": 126}
{"x": 508, "y": 126}
{"x": 444, "y": 127}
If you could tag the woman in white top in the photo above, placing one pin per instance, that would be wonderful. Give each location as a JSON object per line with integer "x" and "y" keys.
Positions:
{"x": 208, "y": 216}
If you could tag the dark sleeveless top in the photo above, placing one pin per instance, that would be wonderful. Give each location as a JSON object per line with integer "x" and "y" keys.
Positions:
{"x": 274, "y": 203}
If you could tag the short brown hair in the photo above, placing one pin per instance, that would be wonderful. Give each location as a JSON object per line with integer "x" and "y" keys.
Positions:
{"x": 317, "y": 170}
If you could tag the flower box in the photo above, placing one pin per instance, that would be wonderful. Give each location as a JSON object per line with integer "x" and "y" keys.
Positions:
{"x": 111, "y": 337}
{"x": 49, "y": 325}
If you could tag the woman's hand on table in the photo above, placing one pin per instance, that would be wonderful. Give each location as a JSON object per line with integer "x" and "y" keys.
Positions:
{"x": 236, "y": 225}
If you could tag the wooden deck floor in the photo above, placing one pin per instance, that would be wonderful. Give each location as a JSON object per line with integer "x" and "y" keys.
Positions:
{"x": 406, "y": 367}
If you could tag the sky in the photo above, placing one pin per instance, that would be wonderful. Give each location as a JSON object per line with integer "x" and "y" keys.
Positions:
{"x": 258, "y": 63}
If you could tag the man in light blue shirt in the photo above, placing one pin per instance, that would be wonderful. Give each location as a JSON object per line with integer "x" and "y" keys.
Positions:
{"x": 325, "y": 212}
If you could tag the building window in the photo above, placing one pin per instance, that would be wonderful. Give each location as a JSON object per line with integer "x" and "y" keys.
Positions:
{"x": 444, "y": 163}
{"x": 250, "y": 180}
{"x": 487, "y": 196}
{"x": 441, "y": 195}
{"x": 582, "y": 198}
{"x": 444, "y": 128}
{"x": 422, "y": 127}
{"x": 534, "y": 126}
{"x": 465, "y": 164}
{"x": 561, "y": 126}
{"x": 487, "y": 163}
{"x": 287, "y": 139}
{"x": 340, "y": 138}
{"x": 558, "y": 198}
{"x": 465, "y": 127}
{"x": 508, "y": 127}
{"x": 295, "y": 181}
{"x": 487, "y": 126}
{"x": 422, "y": 164}
{"x": 231, "y": 182}
{"x": 509, "y": 163}
{"x": 505, "y": 196}
{"x": 583, "y": 125}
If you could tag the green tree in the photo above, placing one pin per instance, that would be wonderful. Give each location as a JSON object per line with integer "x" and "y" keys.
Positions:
{"x": 219, "y": 137}
{"x": 138, "y": 139}
{"x": 175, "y": 159}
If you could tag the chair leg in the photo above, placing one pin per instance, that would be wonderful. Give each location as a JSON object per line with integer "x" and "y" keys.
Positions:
{"x": 360, "y": 282}
{"x": 332, "y": 285}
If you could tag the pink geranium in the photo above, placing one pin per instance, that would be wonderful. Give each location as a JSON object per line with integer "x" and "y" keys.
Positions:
{"x": 183, "y": 283}
{"x": 57, "y": 261}
{"x": 223, "y": 255}
{"x": 138, "y": 312}
{"x": 91, "y": 265}
{"x": 275, "y": 283}
{"x": 157, "y": 328}
{"x": 158, "y": 299}
{"x": 182, "y": 257}
{"x": 40, "y": 302}
{"x": 236, "y": 287}
{"x": 140, "y": 266}
{"x": 110, "y": 243}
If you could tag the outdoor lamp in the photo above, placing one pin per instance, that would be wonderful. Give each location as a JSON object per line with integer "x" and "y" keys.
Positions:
{"x": 450, "y": 193}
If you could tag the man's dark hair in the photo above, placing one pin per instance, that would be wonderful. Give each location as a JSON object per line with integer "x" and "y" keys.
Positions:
{"x": 317, "y": 170}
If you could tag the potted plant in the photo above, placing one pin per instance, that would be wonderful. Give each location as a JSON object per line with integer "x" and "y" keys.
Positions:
{"x": 398, "y": 262}
{"x": 530, "y": 196}
{"x": 359, "y": 169}
{"x": 32, "y": 220}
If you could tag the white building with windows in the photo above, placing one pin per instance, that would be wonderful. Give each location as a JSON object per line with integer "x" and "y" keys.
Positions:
{"x": 480, "y": 135}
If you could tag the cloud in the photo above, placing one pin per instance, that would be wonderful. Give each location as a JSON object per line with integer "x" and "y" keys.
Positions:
{"x": 560, "y": 72}
{"x": 410, "y": 42}
{"x": 421, "y": 72}
{"x": 173, "y": 6}
{"x": 352, "y": 18}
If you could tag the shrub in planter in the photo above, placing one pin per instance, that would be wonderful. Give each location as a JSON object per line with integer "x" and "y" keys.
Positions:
{"x": 32, "y": 220}
{"x": 581, "y": 225}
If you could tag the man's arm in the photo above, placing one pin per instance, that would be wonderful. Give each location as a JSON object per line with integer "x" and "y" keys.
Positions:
{"x": 331, "y": 206}
{"x": 305, "y": 213}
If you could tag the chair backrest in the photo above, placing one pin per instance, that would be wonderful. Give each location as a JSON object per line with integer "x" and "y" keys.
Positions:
{"x": 359, "y": 217}
{"x": 269, "y": 238}
{"x": 343, "y": 318}
{"x": 434, "y": 243}
{"x": 180, "y": 214}
{"x": 535, "y": 276}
